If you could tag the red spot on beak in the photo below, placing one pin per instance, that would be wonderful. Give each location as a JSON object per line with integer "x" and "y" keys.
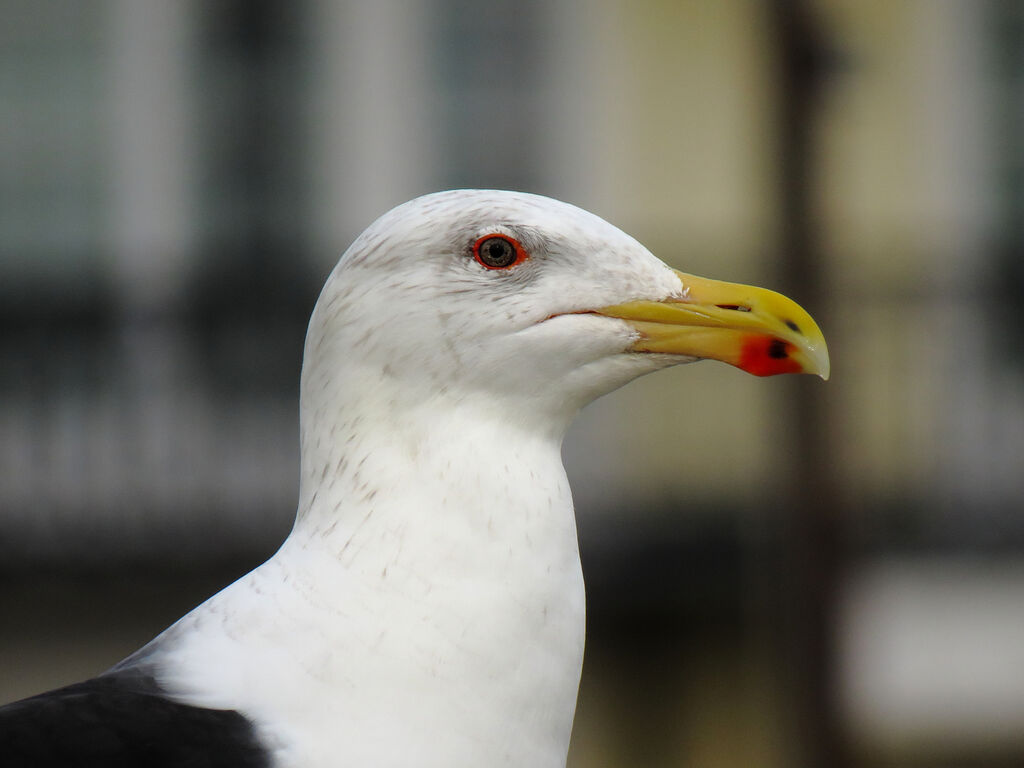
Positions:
{"x": 766, "y": 356}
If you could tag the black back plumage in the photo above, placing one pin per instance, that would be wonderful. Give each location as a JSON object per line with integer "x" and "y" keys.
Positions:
{"x": 119, "y": 720}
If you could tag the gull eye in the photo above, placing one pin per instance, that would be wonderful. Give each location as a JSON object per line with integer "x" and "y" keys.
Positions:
{"x": 498, "y": 251}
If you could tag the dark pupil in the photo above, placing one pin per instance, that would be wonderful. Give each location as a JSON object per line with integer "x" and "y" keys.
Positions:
{"x": 497, "y": 252}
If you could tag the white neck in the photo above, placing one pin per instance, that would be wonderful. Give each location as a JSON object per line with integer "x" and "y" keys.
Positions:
{"x": 455, "y": 563}
{"x": 433, "y": 603}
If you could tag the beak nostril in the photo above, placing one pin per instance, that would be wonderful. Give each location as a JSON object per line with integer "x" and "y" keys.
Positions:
{"x": 793, "y": 326}
{"x": 736, "y": 307}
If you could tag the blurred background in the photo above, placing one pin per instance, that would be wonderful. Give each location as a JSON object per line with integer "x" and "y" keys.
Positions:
{"x": 780, "y": 572}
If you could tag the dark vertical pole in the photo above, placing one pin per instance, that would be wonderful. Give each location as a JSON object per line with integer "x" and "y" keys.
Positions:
{"x": 812, "y": 533}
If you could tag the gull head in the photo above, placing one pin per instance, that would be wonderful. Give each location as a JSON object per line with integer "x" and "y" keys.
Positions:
{"x": 529, "y": 305}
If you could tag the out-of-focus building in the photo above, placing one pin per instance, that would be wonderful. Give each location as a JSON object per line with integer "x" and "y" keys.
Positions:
{"x": 176, "y": 180}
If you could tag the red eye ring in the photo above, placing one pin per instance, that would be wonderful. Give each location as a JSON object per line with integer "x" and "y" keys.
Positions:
{"x": 497, "y": 251}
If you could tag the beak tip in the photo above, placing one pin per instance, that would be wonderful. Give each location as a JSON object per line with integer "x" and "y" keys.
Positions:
{"x": 823, "y": 365}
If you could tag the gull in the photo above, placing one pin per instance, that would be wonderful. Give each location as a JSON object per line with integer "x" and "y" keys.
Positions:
{"x": 427, "y": 608}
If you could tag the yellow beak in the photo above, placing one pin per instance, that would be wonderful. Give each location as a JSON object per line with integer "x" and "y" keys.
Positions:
{"x": 758, "y": 331}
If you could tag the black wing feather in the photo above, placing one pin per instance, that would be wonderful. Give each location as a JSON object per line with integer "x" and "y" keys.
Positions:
{"x": 122, "y": 720}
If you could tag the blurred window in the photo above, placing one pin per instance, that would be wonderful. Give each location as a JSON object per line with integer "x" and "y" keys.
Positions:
{"x": 52, "y": 143}
{"x": 491, "y": 71}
